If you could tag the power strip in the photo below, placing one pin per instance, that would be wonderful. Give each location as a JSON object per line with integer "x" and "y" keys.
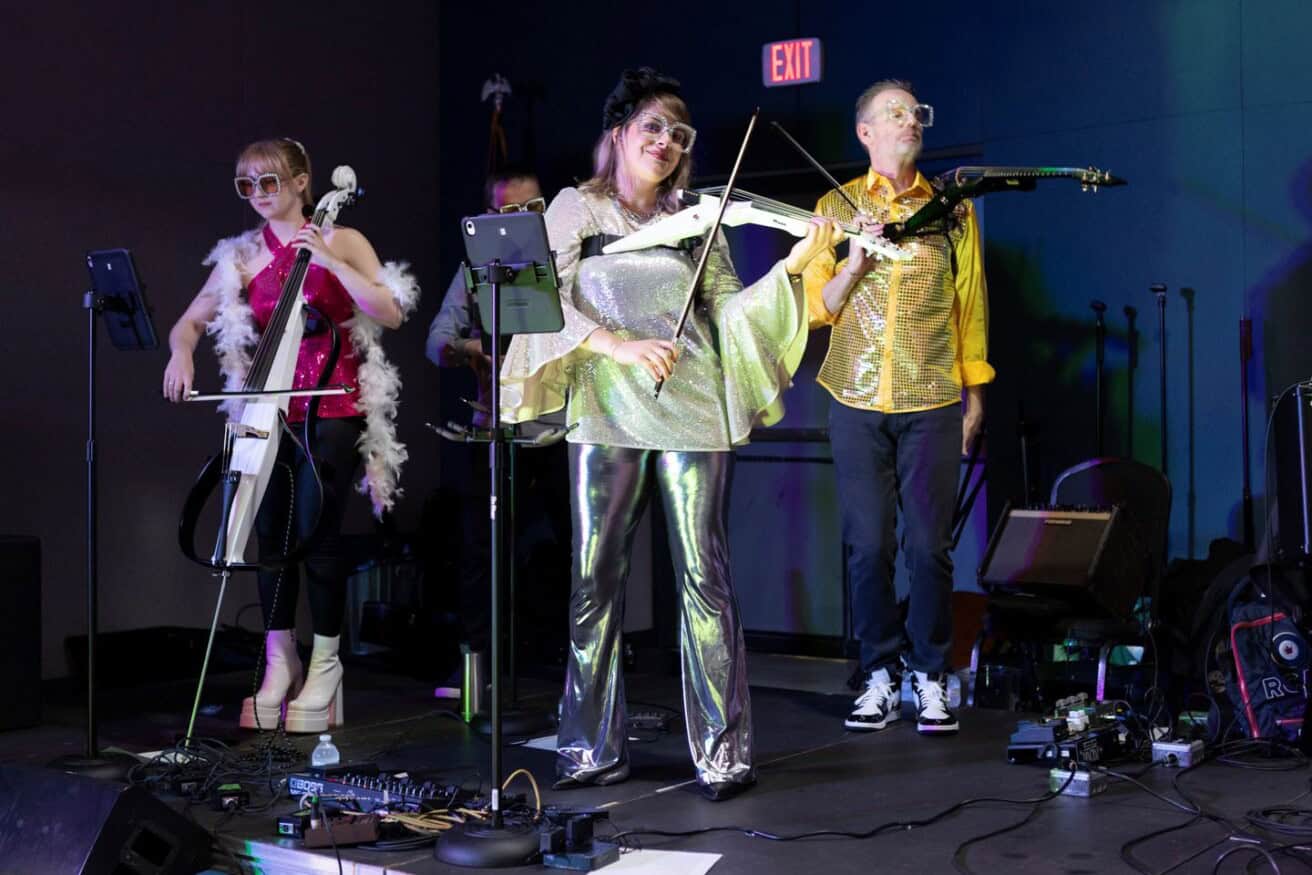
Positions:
{"x": 1178, "y": 753}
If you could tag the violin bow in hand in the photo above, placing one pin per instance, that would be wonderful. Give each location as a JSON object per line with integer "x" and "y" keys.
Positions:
{"x": 710, "y": 238}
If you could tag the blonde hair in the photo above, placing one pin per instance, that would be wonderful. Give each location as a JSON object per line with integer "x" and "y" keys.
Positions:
{"x": 606, "y": 159}
{"x": 283, "y": 156}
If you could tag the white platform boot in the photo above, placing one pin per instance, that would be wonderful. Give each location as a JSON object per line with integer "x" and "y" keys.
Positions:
{"x": 282, "y": 681}
{"x": 319, "y": 706}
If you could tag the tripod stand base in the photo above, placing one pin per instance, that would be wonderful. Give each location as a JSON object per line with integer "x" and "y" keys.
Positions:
{"x": 107, "y": 766}
{"x": 515, "y": 722}
{"x": 481, "y": 845}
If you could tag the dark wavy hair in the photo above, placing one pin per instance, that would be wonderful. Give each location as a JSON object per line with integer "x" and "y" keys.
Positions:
{"x": 639, "y": 89}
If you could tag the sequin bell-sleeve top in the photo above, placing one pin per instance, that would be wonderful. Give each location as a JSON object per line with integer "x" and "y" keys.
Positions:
{"x": 325, "y": 293}
{"x": 737, "y": 354}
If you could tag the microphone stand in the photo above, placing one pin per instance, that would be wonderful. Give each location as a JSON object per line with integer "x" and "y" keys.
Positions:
{"x": 1246, "y": 356}
{"x": 1099, "y": 348}
{"x": 1024, "y": 431}
{"x": 1159, "y": 289}
{"x": 1132, "y": 345}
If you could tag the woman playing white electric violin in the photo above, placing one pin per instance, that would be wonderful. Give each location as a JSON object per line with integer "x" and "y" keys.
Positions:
{"x": 734, "y": 359}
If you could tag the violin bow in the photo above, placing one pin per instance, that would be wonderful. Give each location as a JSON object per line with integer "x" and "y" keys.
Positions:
{"x": 710, "y": 237}
{"x": 838, "y": 186}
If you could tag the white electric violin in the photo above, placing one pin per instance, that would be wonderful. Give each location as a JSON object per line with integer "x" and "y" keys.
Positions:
{"x": 744, "y": 208}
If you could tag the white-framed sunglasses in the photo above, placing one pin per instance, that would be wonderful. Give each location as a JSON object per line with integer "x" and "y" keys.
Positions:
{"x": 254, "y": 186}
{"x": 900, "y": 114}
{"x": 654, "y": 127}
{"x": 532, "y": 205}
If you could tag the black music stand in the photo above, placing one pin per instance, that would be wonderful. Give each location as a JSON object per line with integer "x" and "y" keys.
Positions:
{"x": 508, "y": 252}
{"x": 520, "y": 722}
{"x": 117, "y": 294}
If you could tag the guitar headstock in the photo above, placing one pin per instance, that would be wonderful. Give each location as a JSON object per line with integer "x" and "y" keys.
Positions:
{"x": 1091, "y": 178}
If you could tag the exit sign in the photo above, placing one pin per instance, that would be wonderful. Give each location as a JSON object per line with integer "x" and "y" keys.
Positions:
{"x": 790, "y": 62}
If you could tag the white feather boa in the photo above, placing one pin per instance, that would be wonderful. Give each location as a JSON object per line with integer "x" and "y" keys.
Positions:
{"x": 235, "y": 336}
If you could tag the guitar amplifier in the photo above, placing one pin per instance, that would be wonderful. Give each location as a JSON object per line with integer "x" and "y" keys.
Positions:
{"x": 1084, "y": 559}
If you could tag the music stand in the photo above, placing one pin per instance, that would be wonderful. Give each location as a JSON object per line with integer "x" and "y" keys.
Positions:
{"x": 520, "y": 722}
{"x": 513, "y": 273}
{"x": 116, "y": 293}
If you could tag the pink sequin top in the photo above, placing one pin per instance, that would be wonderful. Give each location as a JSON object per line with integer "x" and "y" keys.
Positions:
{"x": 325, "y": 293}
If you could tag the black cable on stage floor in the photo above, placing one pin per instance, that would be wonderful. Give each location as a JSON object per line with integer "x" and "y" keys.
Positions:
{"x": 1134, "y": 863}
{"x": 891, "y": 825}
{"x": 1251, "y": 848}
{"x": 959, "y": 855}
{"x": 1131, "y": 779}
{"x": 1271, "y": 819}
{"x": 1301, "y": 847}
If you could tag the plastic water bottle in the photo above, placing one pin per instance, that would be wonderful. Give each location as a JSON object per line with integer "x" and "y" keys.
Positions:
{"x": 325, "y": 753}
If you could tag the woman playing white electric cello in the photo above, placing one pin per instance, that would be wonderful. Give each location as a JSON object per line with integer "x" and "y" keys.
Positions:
{"x": 736, "y": 355}
{"x": 346, "y": 284}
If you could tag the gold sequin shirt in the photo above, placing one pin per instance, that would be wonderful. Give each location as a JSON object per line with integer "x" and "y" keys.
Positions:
{"x": 910, "y": 334}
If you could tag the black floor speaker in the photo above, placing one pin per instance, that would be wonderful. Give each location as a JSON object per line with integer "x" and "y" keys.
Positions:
{"x": 20, "y": 631}
{"x": 1082, "y": 559}
{"x": 53, "y": 822}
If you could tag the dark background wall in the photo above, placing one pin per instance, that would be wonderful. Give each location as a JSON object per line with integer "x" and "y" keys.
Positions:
{"x": 126, "y": 120}
{"x": 122, "y": 123}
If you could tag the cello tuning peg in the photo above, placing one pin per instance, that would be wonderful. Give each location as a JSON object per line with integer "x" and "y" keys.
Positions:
{"x": 344, "y": 177}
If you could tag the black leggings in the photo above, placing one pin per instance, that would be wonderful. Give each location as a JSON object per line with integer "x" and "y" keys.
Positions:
{"x": 288, "y": 512}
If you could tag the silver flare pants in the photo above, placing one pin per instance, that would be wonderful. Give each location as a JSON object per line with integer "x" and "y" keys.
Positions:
{"x": 610, "y": 489}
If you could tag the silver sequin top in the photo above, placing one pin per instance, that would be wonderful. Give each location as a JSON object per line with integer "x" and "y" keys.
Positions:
{"x": 738, "y": 352}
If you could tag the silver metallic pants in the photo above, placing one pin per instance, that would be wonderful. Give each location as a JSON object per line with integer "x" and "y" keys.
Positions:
{"x": 611, "y": 486}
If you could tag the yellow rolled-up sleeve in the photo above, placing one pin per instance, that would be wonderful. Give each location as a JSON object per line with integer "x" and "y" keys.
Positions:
{"x": 814, "y": 278}
{"x": 972, "y": 306}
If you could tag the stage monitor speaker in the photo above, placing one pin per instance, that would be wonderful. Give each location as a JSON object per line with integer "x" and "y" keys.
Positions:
{"x": 20, "y": 631}
{"x": 1084, "y": 559}
{"x": 51, "y": 821}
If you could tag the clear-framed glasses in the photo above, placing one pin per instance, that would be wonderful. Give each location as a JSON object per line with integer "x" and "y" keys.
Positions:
{"x": 900, "y": 114}
{"x": 532, "y": 205}
{"x": 264, "y": 184}
{"x": 653, "y": 126}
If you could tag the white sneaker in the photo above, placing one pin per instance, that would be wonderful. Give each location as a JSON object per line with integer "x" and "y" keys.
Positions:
{"x": 878, "y": 705}
{"x": 933, "y": 717}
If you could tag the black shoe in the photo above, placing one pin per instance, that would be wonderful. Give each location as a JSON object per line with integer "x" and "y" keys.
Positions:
{"x": 610, "y": 776}
{"x": 879, "y": 704}
{"x": 719, "y": 791}
{"x": 933, "y": 717}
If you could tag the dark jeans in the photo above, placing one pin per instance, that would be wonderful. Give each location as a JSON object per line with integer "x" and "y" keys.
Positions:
{"x": 288, "y": 512}
{"x": 883, "y": 462}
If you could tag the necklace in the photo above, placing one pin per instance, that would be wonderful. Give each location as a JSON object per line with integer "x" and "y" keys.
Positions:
{"x": 632, "y": 215}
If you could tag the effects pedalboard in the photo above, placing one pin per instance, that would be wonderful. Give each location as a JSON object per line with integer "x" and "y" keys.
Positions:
{"x": 1054, "y": 743}
{"x": 368, "y": 790}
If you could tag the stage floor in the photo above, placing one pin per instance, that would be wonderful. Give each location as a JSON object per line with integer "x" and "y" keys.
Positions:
{"x": 812, "y": 776}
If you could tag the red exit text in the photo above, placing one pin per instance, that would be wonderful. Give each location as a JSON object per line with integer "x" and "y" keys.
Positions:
{"x": 790, "y": 62}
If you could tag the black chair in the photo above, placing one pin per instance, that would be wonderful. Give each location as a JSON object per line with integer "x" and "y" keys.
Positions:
{"x": 1143, "y": 495}
{"x": 1143, "y": 492}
